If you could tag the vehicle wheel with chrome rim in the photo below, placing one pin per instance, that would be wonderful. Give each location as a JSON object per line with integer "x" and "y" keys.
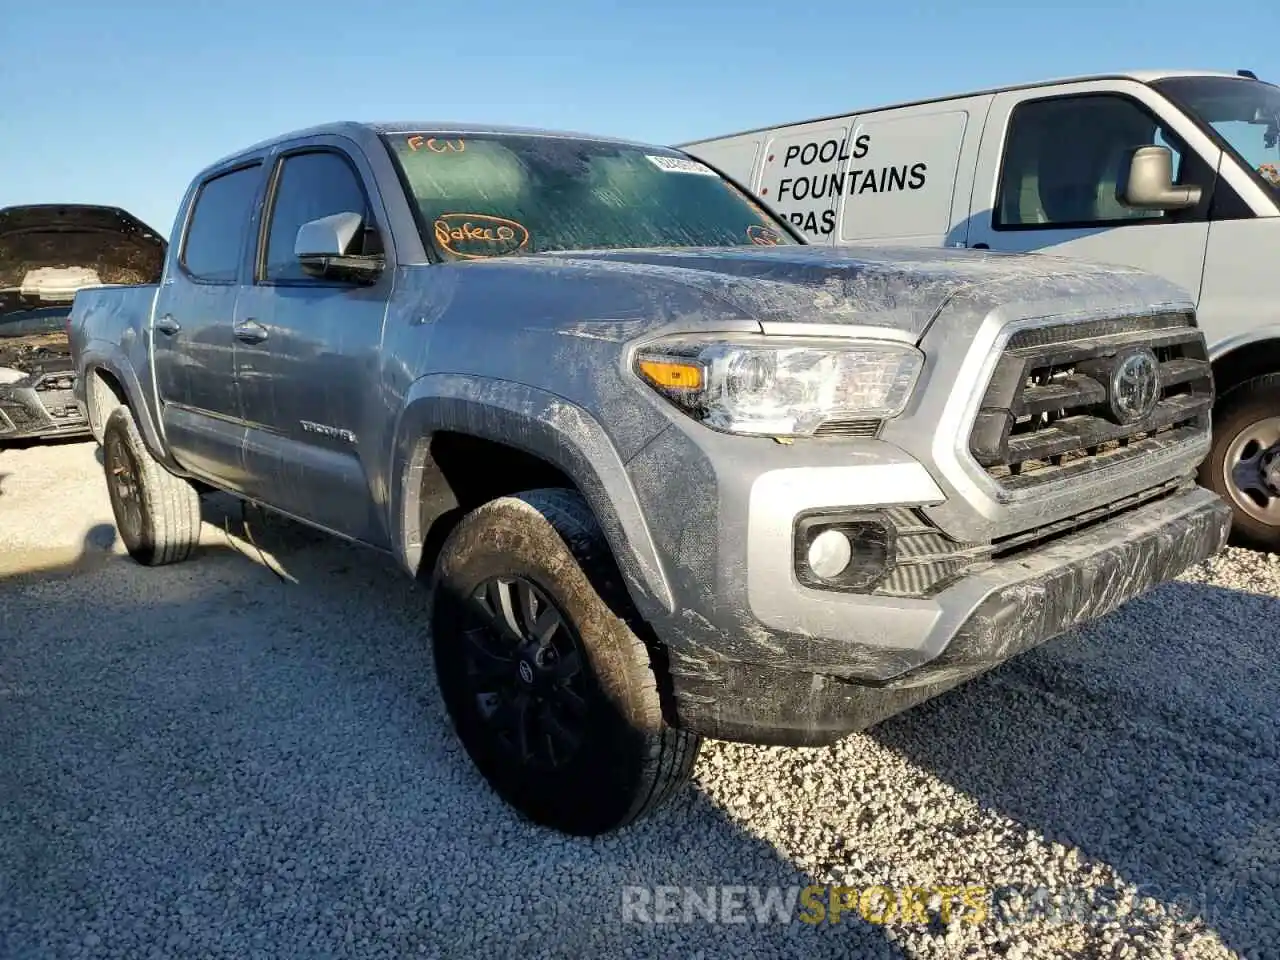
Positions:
{"x": 549, "y": 688}
{"x": 1243, "y": 466}
{"x": 157, "y": 513}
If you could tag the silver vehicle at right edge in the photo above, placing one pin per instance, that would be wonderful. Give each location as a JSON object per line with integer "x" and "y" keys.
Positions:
{"x": 669, "y": 471}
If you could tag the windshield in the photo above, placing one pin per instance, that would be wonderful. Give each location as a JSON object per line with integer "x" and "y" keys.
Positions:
{"x": 498, "y": 195}
{"x": 1245, "y": 114}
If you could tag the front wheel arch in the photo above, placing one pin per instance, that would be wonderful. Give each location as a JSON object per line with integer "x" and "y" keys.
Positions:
{"x": 540, "y": 425}
{"x": 1246, "y": 422}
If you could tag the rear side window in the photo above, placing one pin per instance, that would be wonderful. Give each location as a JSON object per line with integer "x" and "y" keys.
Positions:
{"x": 311, "y": 186}
{"x": 211, "y": 250}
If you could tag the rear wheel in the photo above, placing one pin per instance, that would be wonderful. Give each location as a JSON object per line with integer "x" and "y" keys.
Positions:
{"x": 156, "y": 512}
{"x": 1243, "y": 466}
{"x": 550, "y": 690}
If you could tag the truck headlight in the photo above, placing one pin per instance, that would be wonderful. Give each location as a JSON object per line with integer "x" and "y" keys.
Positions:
{"x": 778, "y": 386}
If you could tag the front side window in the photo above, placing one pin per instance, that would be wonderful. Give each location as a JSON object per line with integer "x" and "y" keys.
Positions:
{"x": 211, "y": 250}
{"x": 1065, "y": 158}
{"x": 1245, "y": 114}
{"x": 499, "y": 195}
{"x": 311, "y": 186}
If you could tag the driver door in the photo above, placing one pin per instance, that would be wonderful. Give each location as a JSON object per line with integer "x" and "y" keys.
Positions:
{"x": 308, "y": 351}
{"x": 1048, "y": 171}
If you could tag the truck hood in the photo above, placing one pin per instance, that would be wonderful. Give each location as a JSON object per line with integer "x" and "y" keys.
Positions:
{"x": 900, "y": 289}
{"x": 48, "y": 251}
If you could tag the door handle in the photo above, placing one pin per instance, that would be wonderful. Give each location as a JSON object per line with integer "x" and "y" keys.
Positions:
{"x": 167, "y": 324}
{"x": 250, "y": 331}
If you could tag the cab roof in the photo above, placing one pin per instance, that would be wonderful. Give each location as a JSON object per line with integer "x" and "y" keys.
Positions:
{"x": 363, "y": 130}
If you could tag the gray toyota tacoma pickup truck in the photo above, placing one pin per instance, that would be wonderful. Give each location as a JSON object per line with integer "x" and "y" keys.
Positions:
{"x": 668, "y": 472}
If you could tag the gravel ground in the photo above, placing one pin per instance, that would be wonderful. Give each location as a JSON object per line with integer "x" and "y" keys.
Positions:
{"x": 215, "y": 760}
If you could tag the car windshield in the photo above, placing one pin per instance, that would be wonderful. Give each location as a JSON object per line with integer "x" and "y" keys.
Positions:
{"x": 1245, "y": 113}
{"x": 490, "y": 195}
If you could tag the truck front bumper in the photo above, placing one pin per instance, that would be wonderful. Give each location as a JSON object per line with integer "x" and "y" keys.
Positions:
{"x": 34, "y": 410}
{"x": 819, "y": 688}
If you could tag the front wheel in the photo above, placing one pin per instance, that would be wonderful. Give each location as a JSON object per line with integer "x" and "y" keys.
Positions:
{"x": 551, "y": 692}
{"x": 1243, "y": 466}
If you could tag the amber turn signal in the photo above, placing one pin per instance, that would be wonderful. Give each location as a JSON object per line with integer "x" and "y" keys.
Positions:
{"x": 668, "y": 375}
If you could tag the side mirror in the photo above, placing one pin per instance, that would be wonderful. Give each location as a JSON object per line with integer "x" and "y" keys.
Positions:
{"x": 1147, "y": 183}
{"x": 321, "y": 247}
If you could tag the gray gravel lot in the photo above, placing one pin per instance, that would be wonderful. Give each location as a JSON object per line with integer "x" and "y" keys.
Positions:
{"x": 208, "y": 760}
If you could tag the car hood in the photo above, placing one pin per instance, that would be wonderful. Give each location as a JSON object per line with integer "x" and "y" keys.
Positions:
{"x": 899, "y": 289}
{"x": 48, "y": 251}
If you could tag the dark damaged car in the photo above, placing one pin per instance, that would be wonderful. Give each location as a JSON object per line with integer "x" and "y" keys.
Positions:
{"x": 670, "y": 472}
{"x": 47, "y": 253}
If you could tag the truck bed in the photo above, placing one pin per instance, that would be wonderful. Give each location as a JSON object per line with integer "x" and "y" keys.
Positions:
{"x": 107, "y": 313}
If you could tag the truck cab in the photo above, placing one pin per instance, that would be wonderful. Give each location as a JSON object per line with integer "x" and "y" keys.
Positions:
{"x": 1176, "y": 173}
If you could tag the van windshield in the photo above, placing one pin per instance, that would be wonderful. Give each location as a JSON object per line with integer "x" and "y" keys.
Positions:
{"x": 489, "y": 195}
{"x": 1244, "y": 113}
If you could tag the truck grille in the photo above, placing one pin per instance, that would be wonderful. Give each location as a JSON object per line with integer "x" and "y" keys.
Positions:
{"x": 927, "y": 560}
{"x": 1052, "y": 409}
{"x": 19, "y": 417}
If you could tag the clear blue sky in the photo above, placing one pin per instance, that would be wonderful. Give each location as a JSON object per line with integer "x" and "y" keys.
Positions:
{"x": 121, "y": 101}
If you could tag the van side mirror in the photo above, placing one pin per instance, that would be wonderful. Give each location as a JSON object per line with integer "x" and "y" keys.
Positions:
{"x": 322, "y": 246}
{"x": 1147, "y": 182}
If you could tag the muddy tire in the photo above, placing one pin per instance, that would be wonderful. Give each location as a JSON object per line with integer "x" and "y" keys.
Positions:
{"x": 549, "y": 688}
{"x": 156, "y": 512}
{"x": 1243, "y": 465}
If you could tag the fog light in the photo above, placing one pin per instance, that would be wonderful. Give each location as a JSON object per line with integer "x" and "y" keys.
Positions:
{"x": 849, "y": 552}
{"x": 829, "y": 553}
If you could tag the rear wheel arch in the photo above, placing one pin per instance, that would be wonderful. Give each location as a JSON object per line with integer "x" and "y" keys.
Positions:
{"x": 113, "y": 381}
{"x": 103, "y": 393}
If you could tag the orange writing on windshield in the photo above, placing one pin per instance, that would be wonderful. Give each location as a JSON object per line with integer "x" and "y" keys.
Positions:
{"x": 477, "y": 235}
{"x": 763, "y": 236}
{"x": 436, "y": 145}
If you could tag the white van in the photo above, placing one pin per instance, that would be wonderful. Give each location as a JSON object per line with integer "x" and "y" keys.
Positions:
{"x": 1173, "y": 172}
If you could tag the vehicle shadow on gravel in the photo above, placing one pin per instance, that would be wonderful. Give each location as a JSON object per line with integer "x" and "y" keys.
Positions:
{"x": 245, "y": 754}
{"x": 1148, "y": 740}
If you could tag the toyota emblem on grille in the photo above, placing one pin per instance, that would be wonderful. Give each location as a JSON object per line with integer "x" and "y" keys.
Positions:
{"x": 1135, "y": 386}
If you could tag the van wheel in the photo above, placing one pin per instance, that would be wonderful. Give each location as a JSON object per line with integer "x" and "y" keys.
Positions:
{"x": 156, "y": 512}
{"x": 1243, "y": 466}
{"x": 549, "y": 689}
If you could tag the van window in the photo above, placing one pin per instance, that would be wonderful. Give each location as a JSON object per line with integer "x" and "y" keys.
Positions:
{"x": 1064, "y": 159}
{"x": 211, "y": 249}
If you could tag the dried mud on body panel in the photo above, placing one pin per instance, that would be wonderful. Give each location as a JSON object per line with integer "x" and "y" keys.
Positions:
{"x": 1023, "y": 615}
{"x": 1081, "y": 582}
